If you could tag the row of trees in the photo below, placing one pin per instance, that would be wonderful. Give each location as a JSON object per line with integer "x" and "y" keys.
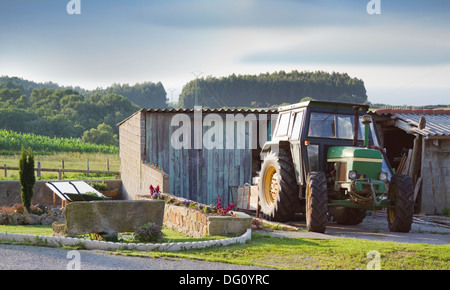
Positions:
{"x": 64, "y": 113}
{"x": 265, "y": 90}
{"x": 145, "y": 94}
{"x": 73, "y": 112}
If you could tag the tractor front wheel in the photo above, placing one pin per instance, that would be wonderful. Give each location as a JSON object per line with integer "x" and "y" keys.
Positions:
{"x": 316, "y": 202}
{"x": 278, "y": 188}
{"x": 401, "y": 191}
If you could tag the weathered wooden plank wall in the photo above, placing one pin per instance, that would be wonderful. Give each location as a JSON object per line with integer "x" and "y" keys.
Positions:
{"x": 199, "y": 174}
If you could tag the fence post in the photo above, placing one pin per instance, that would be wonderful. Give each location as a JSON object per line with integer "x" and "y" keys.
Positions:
{"x": 6, "y": 172}
{"x": 38, "y": 173}
{"x": 87, "y": 173}
{"x": 62, "y": 164}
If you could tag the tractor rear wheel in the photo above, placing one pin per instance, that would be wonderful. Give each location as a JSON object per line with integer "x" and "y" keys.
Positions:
{"x": 316, "y": 202}
{"x": 401, "y": 191}
{"x": 278, "y": 188}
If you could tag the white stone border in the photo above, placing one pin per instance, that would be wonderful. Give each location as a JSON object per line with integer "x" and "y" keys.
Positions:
{"x": 111, "y": 246}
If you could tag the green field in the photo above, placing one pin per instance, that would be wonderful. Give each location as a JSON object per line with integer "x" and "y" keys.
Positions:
{"x": 12, "y": 142}
{"x": 56, "y": 153}
{"x": 72, "y": 160}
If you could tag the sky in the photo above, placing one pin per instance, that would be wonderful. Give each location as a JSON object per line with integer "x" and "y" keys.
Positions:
{"x": 399, "y": 48}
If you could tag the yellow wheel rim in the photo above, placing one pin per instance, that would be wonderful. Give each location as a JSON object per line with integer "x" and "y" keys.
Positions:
{"x": 270, "y": 185}
{"x": 391, "y": 211}
{"x": 308, "y": 201}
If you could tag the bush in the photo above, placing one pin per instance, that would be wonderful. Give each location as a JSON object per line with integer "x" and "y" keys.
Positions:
{"x": 102, "y": 135}
{"x": 149, "y": 232}
{"x": 102, "y": 186}
{"x": 27, "y": 178}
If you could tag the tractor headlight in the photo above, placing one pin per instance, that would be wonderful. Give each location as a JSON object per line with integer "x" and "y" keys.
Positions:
{"x": 352, "y": 174}
{"x": 383, "y": 176}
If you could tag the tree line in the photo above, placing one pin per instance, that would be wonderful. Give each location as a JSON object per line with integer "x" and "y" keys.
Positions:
{"x": 73, "y": 112}
{"x": 269, "y": 89}
{"x": 62, "y": 112}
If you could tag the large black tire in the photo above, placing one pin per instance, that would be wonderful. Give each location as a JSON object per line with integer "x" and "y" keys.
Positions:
{"x": 348, "y": 215}
{"x": 316, "y": 202}
{"x": 278, "y": 188}
{"x": 401, "y": 190}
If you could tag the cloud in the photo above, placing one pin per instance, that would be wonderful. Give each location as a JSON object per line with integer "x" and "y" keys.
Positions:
{"x": 379, "y": 45}
{"x": 207, "y": 14}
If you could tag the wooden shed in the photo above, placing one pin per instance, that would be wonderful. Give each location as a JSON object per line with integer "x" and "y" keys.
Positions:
{"x": 417, "y": 143}
{"x": 192, "y": 153}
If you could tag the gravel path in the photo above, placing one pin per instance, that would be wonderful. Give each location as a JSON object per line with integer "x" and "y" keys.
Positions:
{"x": 19, "y": 257}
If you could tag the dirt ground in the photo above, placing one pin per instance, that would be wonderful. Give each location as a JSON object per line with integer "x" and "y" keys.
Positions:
{"x": 375, "y": 227}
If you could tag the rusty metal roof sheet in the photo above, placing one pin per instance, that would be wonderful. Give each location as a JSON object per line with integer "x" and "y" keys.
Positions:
{"x": 437, "y": 121}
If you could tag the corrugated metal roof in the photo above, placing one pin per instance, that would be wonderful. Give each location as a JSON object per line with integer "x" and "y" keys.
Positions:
{"x": 212, "y": 110}
{"x": 437, "y": 120}
{"x": 205, "y": 110}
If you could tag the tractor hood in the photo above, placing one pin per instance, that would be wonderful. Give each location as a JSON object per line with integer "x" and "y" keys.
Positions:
{"x": 366, "y": 162}
{"x": 355, "y": 153}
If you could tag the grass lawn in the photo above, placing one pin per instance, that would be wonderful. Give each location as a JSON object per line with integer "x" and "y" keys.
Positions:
{"x": 97, "y": 161}
{"x": 169, "y": 235}
{"x": 299, "y": 253}
{"x": 341, "y": 253}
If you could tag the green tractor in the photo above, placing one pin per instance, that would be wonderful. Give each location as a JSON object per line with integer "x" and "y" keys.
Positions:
{"x": 324, "y": 161}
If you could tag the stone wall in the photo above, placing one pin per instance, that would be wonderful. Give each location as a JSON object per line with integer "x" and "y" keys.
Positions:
{"x": 196, "y": 224}
{"x": 435, "y": 176}
{"x": 185, "y": 220}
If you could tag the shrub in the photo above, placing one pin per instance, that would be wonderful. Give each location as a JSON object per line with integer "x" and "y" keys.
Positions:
{"x": 99, "y": 186}
{"x": 27, "y": 178}
{"x": 149, "y": 232}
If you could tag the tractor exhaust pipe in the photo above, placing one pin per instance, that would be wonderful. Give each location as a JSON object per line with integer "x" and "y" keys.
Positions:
{"x": 355, "y": 127}
{"x": 366, "y": 119}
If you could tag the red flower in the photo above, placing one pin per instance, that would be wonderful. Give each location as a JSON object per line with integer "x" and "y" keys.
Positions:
{"x": 221, "y": 210}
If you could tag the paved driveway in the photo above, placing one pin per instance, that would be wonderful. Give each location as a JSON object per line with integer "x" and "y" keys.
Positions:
{"x": 20, "y": 257}
{"x": 376, "y": 228}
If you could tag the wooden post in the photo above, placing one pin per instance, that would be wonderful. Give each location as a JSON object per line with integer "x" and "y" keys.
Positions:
{"x": 62, "y": 164}
{"x": 432, "y": 188}
{"x": 416, "y": 159}
{"x": 38, "y": 173}
{"x": 87, "y": 173}
{"x": 6, "y": 172}
{"x": 107, "y": 164}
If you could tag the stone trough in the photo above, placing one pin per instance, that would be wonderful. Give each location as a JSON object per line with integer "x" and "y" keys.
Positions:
{"x": 107, "y": 218}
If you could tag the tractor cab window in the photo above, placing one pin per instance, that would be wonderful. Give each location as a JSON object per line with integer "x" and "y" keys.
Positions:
{"x": 297, "y": 128}
{"x": 283, "y": 124}
{"x": 329, "y": 125}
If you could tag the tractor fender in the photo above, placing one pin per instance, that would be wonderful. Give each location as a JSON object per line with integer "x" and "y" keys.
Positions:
{"x": 275, "y": 146}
